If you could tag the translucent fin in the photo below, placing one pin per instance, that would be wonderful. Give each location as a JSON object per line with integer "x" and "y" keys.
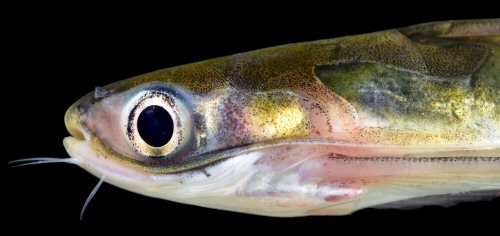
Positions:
{"x": 408, "y": 183}
{"x": 441, "y": 189}
{"x": 445, "y": 200}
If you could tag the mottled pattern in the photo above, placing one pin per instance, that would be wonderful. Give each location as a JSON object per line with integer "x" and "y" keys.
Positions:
{"x": 434, "y": 97}
{"x": 437, "y": 77}
{"x": 414, "y": 48}
{"x": 243, "y": 120}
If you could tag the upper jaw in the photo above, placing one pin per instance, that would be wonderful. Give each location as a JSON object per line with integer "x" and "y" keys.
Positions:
{"x": 72, "y": 122}
{"x": 76, "y": 115}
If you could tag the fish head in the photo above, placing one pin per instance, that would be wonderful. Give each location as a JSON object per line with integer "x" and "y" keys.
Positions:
{"x": 294, "y": 130}
{"x": 208, "y": 142}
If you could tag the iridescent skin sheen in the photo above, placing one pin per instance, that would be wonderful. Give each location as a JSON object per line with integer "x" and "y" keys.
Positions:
{"x": 317, "y": 128}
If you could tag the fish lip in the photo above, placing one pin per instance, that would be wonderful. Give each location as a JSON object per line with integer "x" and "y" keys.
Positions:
{"x": 73, "y": 119}
{"x": 75, "y": 131}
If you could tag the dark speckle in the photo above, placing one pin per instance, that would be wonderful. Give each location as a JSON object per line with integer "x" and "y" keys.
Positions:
{"x": 206, "y": 173}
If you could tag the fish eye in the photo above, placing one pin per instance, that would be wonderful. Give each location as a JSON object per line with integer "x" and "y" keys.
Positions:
{"x": 155, "y": 126}
{"x": 158, "y": 123}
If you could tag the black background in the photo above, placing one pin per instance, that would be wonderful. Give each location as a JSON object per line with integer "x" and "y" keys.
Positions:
{"x": 54, "y": 57}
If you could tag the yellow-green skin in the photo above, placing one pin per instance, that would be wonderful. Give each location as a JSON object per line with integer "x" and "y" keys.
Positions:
{"x": 436, "y": 83}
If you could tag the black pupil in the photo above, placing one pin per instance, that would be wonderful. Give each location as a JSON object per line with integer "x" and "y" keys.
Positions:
{"x": 155, "y": 125}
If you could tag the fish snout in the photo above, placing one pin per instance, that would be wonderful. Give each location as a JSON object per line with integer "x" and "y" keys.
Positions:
{"x": 74, "y": 118}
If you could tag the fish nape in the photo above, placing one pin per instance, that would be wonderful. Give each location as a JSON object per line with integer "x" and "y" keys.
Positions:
{"x": 400, "y": 118}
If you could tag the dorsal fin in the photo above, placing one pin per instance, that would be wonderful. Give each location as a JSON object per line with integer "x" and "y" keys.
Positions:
{"x": 484, "y": 30}
{"x": 450, "y": 49}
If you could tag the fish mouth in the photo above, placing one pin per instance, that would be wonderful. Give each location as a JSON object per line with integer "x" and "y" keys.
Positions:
{"x": 114, "y": 171}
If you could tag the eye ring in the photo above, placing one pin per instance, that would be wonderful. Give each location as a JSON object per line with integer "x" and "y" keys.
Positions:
{"x": 170, "y": 105}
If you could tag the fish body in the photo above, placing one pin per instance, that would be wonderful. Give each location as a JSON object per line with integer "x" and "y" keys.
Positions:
{"x": 397, "y": 118}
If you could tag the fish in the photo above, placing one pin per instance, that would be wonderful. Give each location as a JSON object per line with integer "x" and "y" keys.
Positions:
{"x": 400, "y": 118}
